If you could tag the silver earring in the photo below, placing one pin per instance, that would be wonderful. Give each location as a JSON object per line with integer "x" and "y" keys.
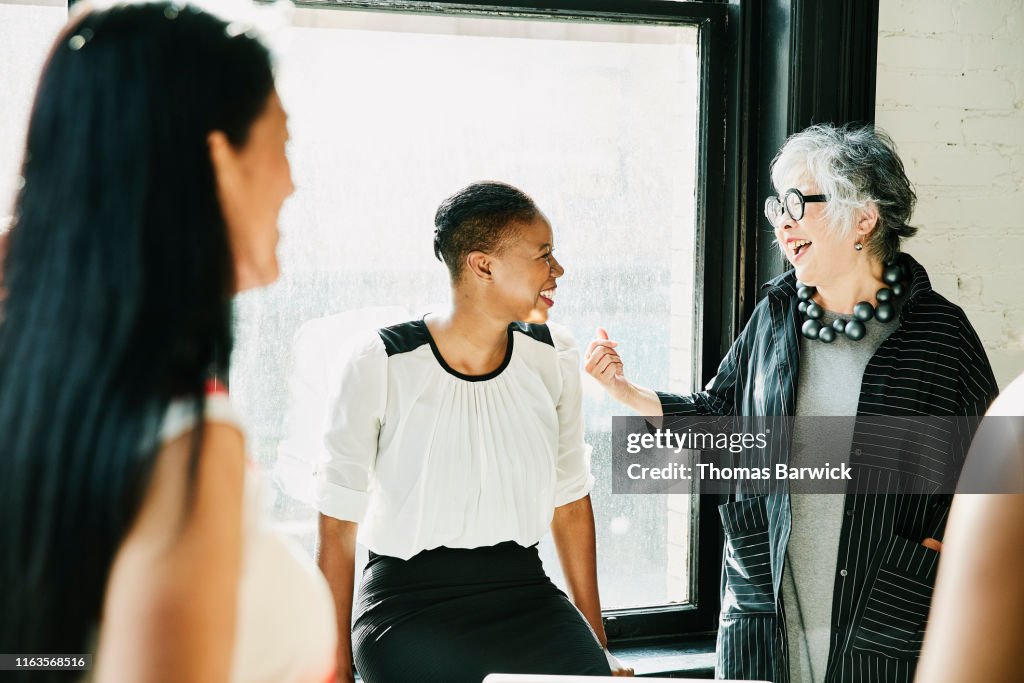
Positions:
{"x": 858, "y": 246}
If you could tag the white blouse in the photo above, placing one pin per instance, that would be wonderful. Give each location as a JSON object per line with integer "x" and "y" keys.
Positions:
{"x": 423, "y": 456}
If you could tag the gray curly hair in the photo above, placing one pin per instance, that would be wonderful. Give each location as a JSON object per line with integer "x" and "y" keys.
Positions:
{"x": 855, "y": 167}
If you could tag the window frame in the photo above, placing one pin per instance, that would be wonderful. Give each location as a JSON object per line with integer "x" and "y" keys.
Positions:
{"x": 768, "y": 71}
{"x": 819, "y": 65}
{"x": 715, "y": 250}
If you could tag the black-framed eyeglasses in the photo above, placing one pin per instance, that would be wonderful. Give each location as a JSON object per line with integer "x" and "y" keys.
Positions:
{"x": 793, "y": 202}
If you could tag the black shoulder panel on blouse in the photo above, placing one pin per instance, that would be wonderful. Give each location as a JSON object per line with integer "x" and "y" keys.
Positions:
{"x": 539, "y": 332}
{"x": 404, "y": 337}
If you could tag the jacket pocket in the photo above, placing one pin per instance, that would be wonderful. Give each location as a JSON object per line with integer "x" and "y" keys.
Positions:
{"x": 747, "y": 648}
{"x": 747, "y": 576}
{"x": 891, "y": 618}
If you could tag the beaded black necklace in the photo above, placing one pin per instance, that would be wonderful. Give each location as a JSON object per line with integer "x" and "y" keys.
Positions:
{"x": 854, "y": 329}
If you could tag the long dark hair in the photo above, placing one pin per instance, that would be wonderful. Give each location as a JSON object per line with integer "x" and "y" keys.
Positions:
{"x": 116, "y": 294}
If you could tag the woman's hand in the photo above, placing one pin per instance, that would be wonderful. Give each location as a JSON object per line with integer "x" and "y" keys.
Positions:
{"x": 617, "y": 667}
{"x": 345, "y": 674}
{"x": 604, "y": 364}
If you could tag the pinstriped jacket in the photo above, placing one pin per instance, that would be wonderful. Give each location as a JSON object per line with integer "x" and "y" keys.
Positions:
{"x": 933, "y": 364}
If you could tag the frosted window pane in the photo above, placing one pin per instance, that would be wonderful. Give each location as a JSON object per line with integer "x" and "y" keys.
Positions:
{"x": 26, "y": 33}
{"x": 390, "y": 114}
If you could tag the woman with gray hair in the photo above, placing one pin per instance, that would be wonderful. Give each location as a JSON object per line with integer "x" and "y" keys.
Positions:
{"x": 824, "y": 587}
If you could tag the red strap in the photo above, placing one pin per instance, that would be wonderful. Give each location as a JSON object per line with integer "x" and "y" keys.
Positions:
{"x": 215, "y": 386}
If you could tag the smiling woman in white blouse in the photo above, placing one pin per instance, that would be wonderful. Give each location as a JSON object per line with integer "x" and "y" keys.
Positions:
{"x": 455, "y": 442}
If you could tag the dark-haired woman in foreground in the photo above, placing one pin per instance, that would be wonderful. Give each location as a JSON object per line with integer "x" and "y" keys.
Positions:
{"x": 154, "y": 173}
{"x": 456, "y": 441}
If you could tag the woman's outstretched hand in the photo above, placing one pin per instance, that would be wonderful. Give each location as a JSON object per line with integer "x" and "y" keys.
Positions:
{"x": 604, "y": 364}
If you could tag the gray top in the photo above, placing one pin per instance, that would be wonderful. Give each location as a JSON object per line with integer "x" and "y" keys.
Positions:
{"x": 829, "y": 385}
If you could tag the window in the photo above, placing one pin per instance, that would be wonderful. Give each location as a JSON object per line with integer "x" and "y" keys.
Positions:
{"x": 764, "y": 73}
{"x": 26, "y": 31}
{"x": 611, "y": 120}
{"x": 599, "y": 120}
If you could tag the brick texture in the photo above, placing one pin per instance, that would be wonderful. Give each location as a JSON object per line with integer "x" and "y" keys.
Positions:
{"x": 951, "y": 92}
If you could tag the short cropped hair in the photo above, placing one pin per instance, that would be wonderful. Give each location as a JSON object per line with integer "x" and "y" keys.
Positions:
{"x": 481, "y": 217}
{"x": 854, "y": 166}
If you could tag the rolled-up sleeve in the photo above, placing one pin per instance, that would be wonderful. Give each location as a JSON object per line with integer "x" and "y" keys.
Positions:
{"x": 573, "y": 477}
{"x": 355, "y": 416}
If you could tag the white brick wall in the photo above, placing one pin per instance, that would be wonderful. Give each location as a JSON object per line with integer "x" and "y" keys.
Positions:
{"x": 951, "y": 93}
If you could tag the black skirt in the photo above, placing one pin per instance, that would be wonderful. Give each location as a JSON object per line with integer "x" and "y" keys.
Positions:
{"x": 453, "y": 615}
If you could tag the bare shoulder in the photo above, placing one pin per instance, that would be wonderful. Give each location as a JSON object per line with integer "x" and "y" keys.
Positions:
{"x": 974, "y": 628}
{"x": 172, "y": 588}
{"x": 991, "y": 522}
{"x": 168, "y": 507}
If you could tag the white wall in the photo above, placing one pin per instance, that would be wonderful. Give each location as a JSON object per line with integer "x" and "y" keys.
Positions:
{"x": 951, "y": 93}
